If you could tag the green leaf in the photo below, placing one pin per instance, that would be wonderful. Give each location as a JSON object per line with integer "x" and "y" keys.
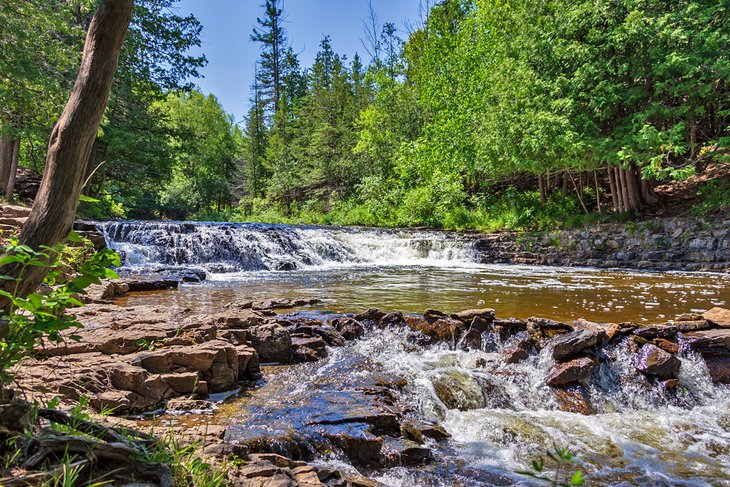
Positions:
{"x": 74, "y": 237}
{"x": 88, "y": 199}
{"x": 577, "y": 478}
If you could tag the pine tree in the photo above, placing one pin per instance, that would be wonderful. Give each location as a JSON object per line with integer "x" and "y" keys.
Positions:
{"x": 272, "y": 37}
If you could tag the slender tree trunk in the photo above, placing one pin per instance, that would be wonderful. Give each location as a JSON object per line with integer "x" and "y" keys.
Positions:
{"x": 624, "y": 189}
{"x": 13, "y": 170}
{"x": 73, "y": 135}
{"x": 580, "y": 196}
{"x": 634, "y": 190}
{"x": 564, "y": 189}
{"x": 6, "y": 158}
{"x": 612, "y": 188}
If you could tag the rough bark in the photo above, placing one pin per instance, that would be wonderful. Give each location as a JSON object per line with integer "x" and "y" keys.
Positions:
{"x": 70, "y": 144}
{"x": 624, "y": 186}
{"x": 13, "y": 172}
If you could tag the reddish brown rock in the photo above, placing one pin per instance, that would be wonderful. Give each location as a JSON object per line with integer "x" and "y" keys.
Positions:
{"x": 652, "y": 360}
{"x": 574, "y": 399}
{"x": 573, "y": 343}
{"x": 573, "y": 371}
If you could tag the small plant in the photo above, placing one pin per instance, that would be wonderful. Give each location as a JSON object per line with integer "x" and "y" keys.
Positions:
{"x": 149, "y": 345}
{"x": 563, "y": 458}
{"x": 29, "y": 320}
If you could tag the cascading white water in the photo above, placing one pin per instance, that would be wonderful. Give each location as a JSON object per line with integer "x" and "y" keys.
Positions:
{"x": 639, "y": 435}
{"x": 221, "y": 248}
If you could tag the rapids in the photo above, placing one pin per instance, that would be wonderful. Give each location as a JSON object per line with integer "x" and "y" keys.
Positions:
{"x": 638, "y": 436}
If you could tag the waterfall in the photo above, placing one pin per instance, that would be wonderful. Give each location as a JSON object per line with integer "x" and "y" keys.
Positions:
{"x": 245, "y": 247}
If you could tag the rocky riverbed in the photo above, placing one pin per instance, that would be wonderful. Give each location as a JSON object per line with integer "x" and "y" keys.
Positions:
{"x": 145, "y": 361}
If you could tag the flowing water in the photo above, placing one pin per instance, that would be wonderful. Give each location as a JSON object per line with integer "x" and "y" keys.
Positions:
{"x": 638, "y": 436}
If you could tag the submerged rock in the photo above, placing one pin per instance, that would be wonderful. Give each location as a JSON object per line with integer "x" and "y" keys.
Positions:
{"x": 458, "y": 390}
{"x": 574, "y": 399}
{"x": 652, "y": 360}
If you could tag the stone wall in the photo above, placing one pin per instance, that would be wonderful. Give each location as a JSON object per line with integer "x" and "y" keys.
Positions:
{"x": 671, "y": 244}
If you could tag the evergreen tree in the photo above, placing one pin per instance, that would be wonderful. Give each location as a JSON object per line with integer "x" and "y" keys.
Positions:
{"x": 271, "y": 35}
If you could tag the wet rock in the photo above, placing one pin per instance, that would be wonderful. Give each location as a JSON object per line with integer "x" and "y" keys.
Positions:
{"x": 573, "y": 343}
{"x": 573, "y": 371}
{"x": 308, "y": 349}
{"x": 360, "y": 481}
{"x": 517, "y": 351}
{"x": 373, "y": 316}
{"x": 573, "y": 399}
{"x": 433, "y": 431}
{"x": 468, "y": 315}
{"x": 542, "y": 330}
{"x": 434, "y": 314}
{"x": 391, "y": 319}
{"x": 666, "y": 345}
{"x": 350, "y": 328}
{"x": 272, "y": 342}
{"x": 403, "y": 452}
{"x": 604, "y": 331}
{"x": 136, "y": 286}
{"x": 472, "y": 340}
{"x": 652, "y": 360}
{"x": 718, "y": 316}
{"x": 480, "y": 324}
{"x": 410, "y": 431}
{"x": 357, "y": 443}
{"x": 714, "y": 346}
{"x": 458, "y": 390}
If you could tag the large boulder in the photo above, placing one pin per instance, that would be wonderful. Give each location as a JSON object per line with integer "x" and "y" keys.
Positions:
{"x": 653, "y": 361}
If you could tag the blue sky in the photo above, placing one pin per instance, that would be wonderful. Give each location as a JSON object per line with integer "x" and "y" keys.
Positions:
{"x": 227, "y": 25}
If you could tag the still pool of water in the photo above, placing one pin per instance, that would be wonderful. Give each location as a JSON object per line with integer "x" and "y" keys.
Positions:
{"x": 561, "y": 293}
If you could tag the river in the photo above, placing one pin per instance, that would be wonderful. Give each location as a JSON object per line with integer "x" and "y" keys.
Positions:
{"x": 637, "y": 436}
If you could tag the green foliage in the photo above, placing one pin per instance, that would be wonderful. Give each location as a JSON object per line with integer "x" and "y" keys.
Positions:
{"x": 561, "y": 476}
{"x": 32, "y": 319}
{"x": 714, "y": 197}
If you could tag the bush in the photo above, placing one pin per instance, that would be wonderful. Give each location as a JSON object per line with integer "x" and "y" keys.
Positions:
{"x": 29, "y": 320}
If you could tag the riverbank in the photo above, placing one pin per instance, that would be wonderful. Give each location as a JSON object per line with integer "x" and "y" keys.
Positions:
{"x": 172, "y": 361}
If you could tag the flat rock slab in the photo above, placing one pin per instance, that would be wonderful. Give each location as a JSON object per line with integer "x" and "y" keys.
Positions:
{"x": 718, "y": 316}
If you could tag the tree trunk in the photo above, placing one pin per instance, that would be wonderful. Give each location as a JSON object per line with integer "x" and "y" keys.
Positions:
{"x": 541, "y": 186}
{"x": 624, "y": 185}
{"x": 564, "y": 189}
{"x": 13, "y": 170}
{"x": 70, "y": 144}
{"x": 6, "y": 158}
{"x": 612, "y": 188}
{"x": 647, "y": 193}
{"x": 598, "y": 192}
{"x": 634, "y": 190}
{"x": 692, "y": 133}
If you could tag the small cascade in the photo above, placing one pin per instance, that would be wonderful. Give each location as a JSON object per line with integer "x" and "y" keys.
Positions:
{"x": 247, "y": 247}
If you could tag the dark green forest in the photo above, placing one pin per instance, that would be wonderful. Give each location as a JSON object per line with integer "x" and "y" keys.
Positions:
{"x": 487, "y": 114}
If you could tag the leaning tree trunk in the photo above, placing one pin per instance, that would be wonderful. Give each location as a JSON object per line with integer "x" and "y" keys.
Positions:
{"x": 6, "y": 156}
{"x": 70, "y": 144}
